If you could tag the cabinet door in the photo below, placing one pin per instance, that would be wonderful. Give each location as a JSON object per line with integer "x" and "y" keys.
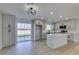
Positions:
{"x": 8, "y": 30}
{"x": 12, "y": 30}
{"x": 5, "y": 21}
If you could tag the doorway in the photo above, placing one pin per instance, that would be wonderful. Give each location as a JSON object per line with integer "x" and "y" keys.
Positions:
{"x": 38, "y": 30}
{"x": 24, "y": 32}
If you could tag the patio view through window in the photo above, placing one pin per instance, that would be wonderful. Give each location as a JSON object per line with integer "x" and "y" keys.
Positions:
{"x": 23, "y": 31}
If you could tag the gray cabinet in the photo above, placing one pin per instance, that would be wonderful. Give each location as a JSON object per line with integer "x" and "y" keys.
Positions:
{"x": 8, "y": 27}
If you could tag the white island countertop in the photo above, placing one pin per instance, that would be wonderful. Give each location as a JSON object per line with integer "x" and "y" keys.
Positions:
{"x": 56, "y": 40}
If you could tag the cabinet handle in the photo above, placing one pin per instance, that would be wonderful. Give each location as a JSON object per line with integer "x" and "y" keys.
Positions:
{"x": 9, "y": 25}
{"x": 9, "y": 28}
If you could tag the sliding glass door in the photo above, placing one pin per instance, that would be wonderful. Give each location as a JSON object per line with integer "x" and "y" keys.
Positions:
{"x": 23, "y": 32}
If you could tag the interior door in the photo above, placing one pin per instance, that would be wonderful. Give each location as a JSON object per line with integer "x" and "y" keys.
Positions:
{"x": 6, "y": 35}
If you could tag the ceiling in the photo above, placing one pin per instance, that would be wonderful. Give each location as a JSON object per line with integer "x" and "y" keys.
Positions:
{"x": 61, "y": 10}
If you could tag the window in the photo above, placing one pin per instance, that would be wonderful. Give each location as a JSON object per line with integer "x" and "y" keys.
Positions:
{"x": 23, "y": 31}
{"x": 27, "y": 26}
{"x": 20, "y": 25}
{"x": 48, "y": 27}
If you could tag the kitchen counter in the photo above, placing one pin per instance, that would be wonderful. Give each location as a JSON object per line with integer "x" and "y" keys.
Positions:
{"x": 56, "y": 40}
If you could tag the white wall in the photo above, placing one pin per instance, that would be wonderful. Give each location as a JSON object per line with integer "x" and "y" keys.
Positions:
{"x": 0, "y": 31}
{"x": 43, "y": 29}
{"x": 77, "y": 32}
{"x": 20, "y": 20}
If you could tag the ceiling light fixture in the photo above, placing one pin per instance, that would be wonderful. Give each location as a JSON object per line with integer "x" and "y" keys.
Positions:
{"x": 31, "y": 9}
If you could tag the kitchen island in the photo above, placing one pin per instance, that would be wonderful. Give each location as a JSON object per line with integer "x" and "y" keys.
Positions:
{"x": 56, "y": 40}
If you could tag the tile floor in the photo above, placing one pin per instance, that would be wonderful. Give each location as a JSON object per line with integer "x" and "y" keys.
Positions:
{"x": 39, "y": 48}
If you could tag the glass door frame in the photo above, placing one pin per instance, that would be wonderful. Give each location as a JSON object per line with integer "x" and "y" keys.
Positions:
{"x": 24, "y": 31}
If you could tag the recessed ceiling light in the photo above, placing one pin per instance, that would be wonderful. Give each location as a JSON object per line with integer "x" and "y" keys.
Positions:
{"x": 51, "y": 13}
{"x": 60, "y": 16}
